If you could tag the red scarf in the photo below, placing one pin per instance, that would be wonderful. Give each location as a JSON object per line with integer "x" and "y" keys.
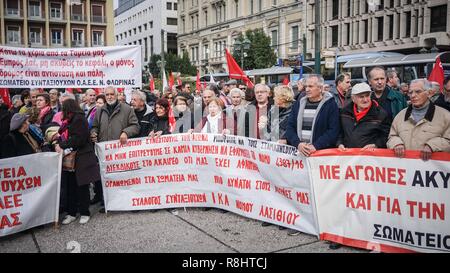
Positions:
{"x": 363, "y": 113}
{"x": 44, "y": 111}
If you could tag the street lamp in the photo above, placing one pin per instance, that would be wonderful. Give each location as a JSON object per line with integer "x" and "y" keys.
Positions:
{"x": 242, "y": 47}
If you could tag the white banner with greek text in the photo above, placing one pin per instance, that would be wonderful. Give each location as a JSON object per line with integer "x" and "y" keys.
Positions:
{"x": 256, "y": 179}
{"x": 118, "y": 66}
{"x": 29, "y": 191}
{"x": 376, "y": 201}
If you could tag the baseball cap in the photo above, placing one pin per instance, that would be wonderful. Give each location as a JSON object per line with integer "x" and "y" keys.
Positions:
{"x": 361, "y": 88}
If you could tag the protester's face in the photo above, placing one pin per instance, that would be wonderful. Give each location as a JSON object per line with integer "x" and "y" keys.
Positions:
{"x": 279, "y": 100}
{"x": 417, "y": 94}
{"x": 18, "y": 103}
{"x": 187, "y": 88}
{"x": 33, "y": 95}
{"x": 40, "y": 102}
{"x": 99, "y": 103}
{"x": 53, "y": 96}
{"x": 446, "y": 90}
{"x": 160, "y": 111}
{"x": 181, "y": 105}
{"x": 90, "y": 97}
{"x": 313, "y": 89}
{"x": 207, "y": 96}
{"x": 236, "y": 99}
{"x": 261, "y": 95}
{"x": 345, "y": 84}
{"x": 27, "y": 100}
{"x": 136, "y": 102}
{"x": 170, "y": 98}
{"x": 121, "y": 97}
{"x": 243, "y": 87}
{"x": 213, "y": 108}
{"x": 362, "y": 100}
{"x": 405, "y": 89}
{"x": 394, "y": 80}
{"x": 231, "y": 86}
{"x": 111, "y": 97}
{"x": 377, "y": 80}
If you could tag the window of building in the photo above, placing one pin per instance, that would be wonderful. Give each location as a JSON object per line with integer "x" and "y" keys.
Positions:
{"x": 145, "y": 26}
{"x": 13, "y": 34}
{"x": 175, "y": 6}
{"x": 169, "y": 6}
{"x": 97, "y": 14}
{"x": 408, "y": 24}
{"x": 77, "y": 12}
{"x": 172, "y": 21}
{"x": 12, "y": 7}
{"x": 334, "y": 36}
{"x": 236, "y": 5}
{"x": 294, "y": 36}
{"x": 205, "y": 52}
{"x": 438, "y": 18}
{"x": 391, "y": 27}
{"x": 145, "y": 50}
{"x": 151, "y": 46}
{"x": 140, "y": 29}
{"x": 35, "y": 35}
{"x": 34, "y": 8}
{"x": 274, "y": 38}
{"x": 347, "y": 27}
{"x": 97, "y": 38}
{"x": 335, "y": 13}
{"x": 134, "y": 31}
{"x": 252, "y": 6}
{"x": 57, "y": 37}
{"x": 206, "y": 17}
{"x": 151, "y": 24}
{"x": 56, "y": 10}
{"x": 380, "y": 28}
{"x": 78, "y": 37}
{"x": 349, "y": 7}
{"x": 366, "y": 31}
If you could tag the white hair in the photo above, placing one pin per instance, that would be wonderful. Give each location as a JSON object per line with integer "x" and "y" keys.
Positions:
{"x": 140, "y": 94}
{"x": 236, "y": 90}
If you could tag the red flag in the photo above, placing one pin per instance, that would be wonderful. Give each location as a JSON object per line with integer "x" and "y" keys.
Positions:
{"x": 179, "y": 82}
{"x": 286, "y": 80}
{"x": 120, "y": 89}
{"x": 4, "y": 93}
{"x": 235, "y": 72}
{"x": 98, "y": 91}
{"x": 198, "y": 85}
{"x": 70, "y": 90}
{"x": 437, "y": 74}
{"x": 171, "y": 80}
{"x": 152, "y": 83}
{"x": 172, "y": 121}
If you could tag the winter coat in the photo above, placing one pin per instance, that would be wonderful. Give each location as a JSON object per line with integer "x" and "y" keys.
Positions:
{"x": 442, "y": 103}
{"x": 86, "y": 166}
{"x": 109, "y": 126}
{"x": 14, "y": 144}
{"x": 397, "y": 100}
{"x": 277, "y": 124}
{"x": 326, "y": 126}
{"x": 433, "y": 130}
{"x": 184, "y": 121}
{"x": 145, "y": 122}
{"x": 373, "y": 128}
{"x": 159, "y": 124}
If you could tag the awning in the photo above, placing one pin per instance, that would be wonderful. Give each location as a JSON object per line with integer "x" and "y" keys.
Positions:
{"x": 275, "y": 70}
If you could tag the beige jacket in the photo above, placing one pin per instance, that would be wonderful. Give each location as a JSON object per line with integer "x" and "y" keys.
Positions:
{"x": 433, "y": 130}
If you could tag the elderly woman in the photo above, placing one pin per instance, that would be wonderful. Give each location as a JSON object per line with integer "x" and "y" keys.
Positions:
{"x": 86, "y": 167}
{"x": 215, "y": 122}
{"x": 19, "y": 141}
{"x": 183, "y": 116}
{"x": 279, "y": 114}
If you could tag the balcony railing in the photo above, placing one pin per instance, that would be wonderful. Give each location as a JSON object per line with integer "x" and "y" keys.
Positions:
{"x": 77, "y": 43}
{"x": 13, "y": 13}
{"x": 78, "y": 17}
{"x": 98, "y": 19}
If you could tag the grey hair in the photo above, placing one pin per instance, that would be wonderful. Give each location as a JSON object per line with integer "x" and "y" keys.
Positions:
{"x": 141, "y": 95}
{"x": 320, "y": 80}
{"x": 67, "y": 95}
{"x": 426, "y": 84}
{"x": 263, "y": 86}
{"x": 436, "y": 86}
{"x": 116, "y": 93}
{"x": 391, "y": 73}
{"x": 236, "y": 90}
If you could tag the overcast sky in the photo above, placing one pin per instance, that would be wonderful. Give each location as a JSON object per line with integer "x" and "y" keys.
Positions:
{"x": 116, "y": 3}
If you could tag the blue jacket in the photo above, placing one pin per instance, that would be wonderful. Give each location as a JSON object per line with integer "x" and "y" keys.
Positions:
{"x": 326, "y": 126}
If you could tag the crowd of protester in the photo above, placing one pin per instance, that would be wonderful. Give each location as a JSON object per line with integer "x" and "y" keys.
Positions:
{"x": 309, "y": 115}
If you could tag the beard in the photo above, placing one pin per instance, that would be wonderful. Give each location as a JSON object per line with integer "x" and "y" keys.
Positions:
{"x": 112, "y": 102}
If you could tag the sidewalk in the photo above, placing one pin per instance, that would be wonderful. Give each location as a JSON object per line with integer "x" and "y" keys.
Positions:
{"x": 193, "y": 230}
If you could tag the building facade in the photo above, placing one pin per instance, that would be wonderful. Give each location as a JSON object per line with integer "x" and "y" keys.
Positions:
{"x": 141, "y": 22}
{"x": 56, "y": 23}
{"x": 207, "y": 27}
{"x": 354, "y": 26}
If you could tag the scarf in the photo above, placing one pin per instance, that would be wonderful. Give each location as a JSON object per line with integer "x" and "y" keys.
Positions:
{"x": 363, "y": 113}
{"x": 44, "y": 111}
{"x": 64, "y": 129}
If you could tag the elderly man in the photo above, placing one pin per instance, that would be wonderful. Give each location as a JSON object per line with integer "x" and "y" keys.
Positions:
{"x": 343, "y": 85}
{"x": 435, "y": 91}
{"x": 115, "y": 120}
{"x": 404, "y": 88}
{"x": 89, "y": 105}
{"x": 236, "y": 112}
{"x": 54, "y": 100}
{"x": 364, "y": 123}
{"x": 423, "y": 126}
{"x": 314, "y": 121}
{"x": 143, "y": 112}
{"x": 258, "y": 111}
{"x": 444, "y": 98}
{"x": 392, "y": 101}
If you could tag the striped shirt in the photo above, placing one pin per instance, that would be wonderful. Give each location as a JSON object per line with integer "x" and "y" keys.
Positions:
{"x": 308, "y": 116}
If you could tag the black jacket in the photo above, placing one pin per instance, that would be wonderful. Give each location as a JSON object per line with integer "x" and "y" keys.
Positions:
{"x": 159, "y": 124}
{"x": 14, "y": 144}
{"x": 442, "y": 103}
{"x": 373, "y": 128}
